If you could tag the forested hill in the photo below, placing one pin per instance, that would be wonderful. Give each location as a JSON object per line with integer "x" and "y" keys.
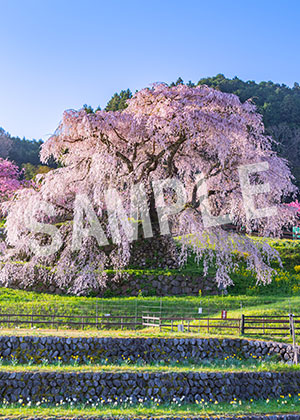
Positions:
{"x": 278, "y": 103}
{"x": 25, "y": 153}
{"x": 19, "y": 150}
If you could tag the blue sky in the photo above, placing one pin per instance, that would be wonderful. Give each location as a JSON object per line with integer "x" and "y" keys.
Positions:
{"x": 57, "y": 55}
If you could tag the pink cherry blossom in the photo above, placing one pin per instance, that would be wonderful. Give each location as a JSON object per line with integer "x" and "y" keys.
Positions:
{"x": 9, "y": 179}
{"x": 179, "y": 133}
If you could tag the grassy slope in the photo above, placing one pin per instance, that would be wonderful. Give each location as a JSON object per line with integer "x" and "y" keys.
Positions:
{"x": 287, "y": 280}
{"x": 31, "y": 302}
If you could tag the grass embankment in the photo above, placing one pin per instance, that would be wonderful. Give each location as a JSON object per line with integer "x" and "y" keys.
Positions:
{"x": 287, "y": 280}
{"x": 16, "y": 301}
{"x": 177, "y": 367}
{"x": 32, "y": 302}
{"x": 284, "y": 404}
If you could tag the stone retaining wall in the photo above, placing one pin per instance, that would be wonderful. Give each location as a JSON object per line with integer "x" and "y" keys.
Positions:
{"x": 162, "y": 285}
{"x": 35, "y": 349}
{"x": 165, "y": 386}
{"x": 131, "y": 285}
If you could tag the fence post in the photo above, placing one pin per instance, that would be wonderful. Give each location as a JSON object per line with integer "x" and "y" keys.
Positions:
{"x": 135, "y": 314}
{"x": 292, "y": 330}
{"x": 243, "y": 324}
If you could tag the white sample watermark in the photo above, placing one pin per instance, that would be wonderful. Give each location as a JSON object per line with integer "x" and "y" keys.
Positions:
{"x": 119, "y": 223}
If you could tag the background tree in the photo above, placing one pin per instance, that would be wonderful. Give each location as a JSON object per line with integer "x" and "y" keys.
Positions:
{"x": 25, "y": 151}
{"x": 5, "y": 144}
{"x": 119, "y": 101}
{"x": 164, "y": 132}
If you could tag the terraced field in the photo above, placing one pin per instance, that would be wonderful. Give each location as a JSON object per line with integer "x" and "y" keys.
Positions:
{"x": 96, "y": 377}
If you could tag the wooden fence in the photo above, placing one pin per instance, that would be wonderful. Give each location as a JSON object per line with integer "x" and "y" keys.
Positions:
{"x": 246, "y": 325}
{"x": 192, "y": 324}
{"x": 268, "y": 325}
{"x": 70, "y": 321}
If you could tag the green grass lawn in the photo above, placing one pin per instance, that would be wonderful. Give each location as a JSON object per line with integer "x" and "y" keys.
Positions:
{"x": 176, "y": 366}
{"x": 33, "y": 302}
{"x": 284, "y": 404}
{"x": 18, "y": 301}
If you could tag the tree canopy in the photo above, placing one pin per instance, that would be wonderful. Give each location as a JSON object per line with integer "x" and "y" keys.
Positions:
{"x": 277, "y": 103}
{"x": 155, "y": 149}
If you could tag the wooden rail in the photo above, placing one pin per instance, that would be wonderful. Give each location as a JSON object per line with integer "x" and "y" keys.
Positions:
{"x": 268, "y": 324}
{"x": 81, "y": 321}
{"x": 249, "y": 325}
{"x": 191, "y": 323}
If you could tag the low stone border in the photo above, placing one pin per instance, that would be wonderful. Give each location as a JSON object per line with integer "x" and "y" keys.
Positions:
{"x": 193, "y": 386}
{"x": 34, "y": 349}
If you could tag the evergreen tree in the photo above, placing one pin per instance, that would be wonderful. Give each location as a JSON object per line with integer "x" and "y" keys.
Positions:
{"x": 118, "y": 101}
